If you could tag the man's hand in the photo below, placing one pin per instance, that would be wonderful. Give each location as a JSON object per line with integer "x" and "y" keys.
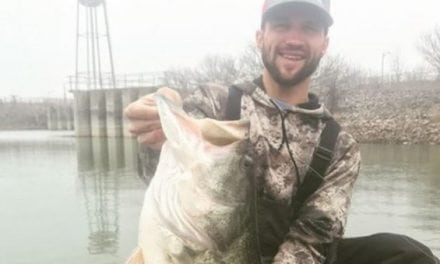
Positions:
{"x": 144, "y": 120}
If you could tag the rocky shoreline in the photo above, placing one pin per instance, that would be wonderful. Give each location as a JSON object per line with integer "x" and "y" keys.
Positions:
{"x": 403, "y": 113}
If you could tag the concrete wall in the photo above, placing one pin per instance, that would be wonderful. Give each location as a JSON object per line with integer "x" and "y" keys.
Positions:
{"x": 146, "y": 90}
{"x": 99, "y": 113}
{"x": 113, "y": 107}
{"x": 70, "y": 124}
{"x": 81, "y": 113}
{"x": 59, "y": 117}
{"x": 51, "y": 118}
{"x": 128, "y": 96}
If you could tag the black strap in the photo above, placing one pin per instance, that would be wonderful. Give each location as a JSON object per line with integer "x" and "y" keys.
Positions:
{"x": 319, "y": 165}
{"x": 233, "y": 105}
{"x": 321, "y": 157}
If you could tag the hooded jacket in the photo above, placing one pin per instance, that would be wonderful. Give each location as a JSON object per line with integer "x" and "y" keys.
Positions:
{"x": 284, "y": 138}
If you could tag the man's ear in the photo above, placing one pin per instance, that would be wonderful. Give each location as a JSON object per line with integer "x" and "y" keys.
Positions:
{"x": 325, "y": 46}
{"x": 259, "y": 39}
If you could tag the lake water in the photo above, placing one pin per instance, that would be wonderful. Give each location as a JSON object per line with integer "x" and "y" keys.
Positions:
{"x": 77, "y": 201}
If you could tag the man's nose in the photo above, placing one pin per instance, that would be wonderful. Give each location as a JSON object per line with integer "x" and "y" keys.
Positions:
{"x": 294, "y": 37}
{"x": 294, "y": 42}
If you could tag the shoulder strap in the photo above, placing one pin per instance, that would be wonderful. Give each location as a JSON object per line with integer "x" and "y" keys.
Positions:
{"x": 233, "y": 105}
{"x": 320, "y": 163}
{"x": 321, "y": 157}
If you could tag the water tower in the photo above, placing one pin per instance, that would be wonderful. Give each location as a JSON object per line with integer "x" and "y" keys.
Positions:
{"x": 94, "y": 68}
{"x": 97, "y": 106}
{"x": 327, "y": 4}
{"x": 94, "y": 73}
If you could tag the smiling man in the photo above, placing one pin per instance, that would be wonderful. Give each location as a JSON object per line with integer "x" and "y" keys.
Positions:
{"x": 292, "y": 42}
{"x": 305, "y": 165}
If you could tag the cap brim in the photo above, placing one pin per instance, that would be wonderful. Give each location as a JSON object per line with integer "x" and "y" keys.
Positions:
{"x": 323, "y": 14}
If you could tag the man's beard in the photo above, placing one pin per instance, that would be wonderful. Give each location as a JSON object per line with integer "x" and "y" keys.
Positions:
{"x": 306, "y": 70}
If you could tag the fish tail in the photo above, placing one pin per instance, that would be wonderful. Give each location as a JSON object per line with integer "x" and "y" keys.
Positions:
{"x": 136, "y": 257}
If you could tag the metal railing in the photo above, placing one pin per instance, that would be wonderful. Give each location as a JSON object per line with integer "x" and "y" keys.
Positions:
{"x": 87, "y": 81}
{"x": 33, "y": 100}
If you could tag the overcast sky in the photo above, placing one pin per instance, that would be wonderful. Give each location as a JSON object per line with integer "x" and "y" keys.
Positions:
{"x": 37, "y": 46}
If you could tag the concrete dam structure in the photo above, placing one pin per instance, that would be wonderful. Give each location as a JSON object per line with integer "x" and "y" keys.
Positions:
{"x": 99, "y": 113}
{"x": 59, "y": 117}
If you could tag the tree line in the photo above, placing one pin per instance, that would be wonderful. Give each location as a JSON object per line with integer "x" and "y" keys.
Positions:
{"x": 334, "y": 70}
{"x": 18, "y": 115}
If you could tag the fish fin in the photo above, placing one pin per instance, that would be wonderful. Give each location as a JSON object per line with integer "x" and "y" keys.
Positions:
{"x": 223, "y": 133}
{"x": 181, "y": 131}
{"x": 136, "y": 257}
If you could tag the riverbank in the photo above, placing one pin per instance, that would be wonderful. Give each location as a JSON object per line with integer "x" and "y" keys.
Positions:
{"x": 37, "y": 114}
{"x": 400, "y": 113}
{"x": 22, "y": 116}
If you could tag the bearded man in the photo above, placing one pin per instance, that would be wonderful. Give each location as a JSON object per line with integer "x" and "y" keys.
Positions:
{"x": 287, "y": 124}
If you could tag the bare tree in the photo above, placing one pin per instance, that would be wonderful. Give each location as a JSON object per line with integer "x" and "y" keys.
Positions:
{"x": 397, "y": 68}
{"x": 222, "y": 69}
{"x": 180, "y": 78}
{"x": 250, "y": 63}
{"x": 333, "y": 73}
{"x": 429, "y": 47}
{"x": 417, "y": 74}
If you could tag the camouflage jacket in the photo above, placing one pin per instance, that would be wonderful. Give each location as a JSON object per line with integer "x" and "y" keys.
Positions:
{"x": 322, "y": 218}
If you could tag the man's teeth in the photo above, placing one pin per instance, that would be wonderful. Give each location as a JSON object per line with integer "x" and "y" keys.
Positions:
{"x": 292, "y": 57}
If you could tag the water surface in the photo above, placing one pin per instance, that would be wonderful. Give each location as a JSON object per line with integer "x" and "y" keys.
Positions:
{"x": 68, "y": 200}
{"x": 398, "y": 190}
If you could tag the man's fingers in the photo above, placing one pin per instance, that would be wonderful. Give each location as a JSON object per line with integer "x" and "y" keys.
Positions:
{"x": 170, "y": 94}
{"x": 143, "y": 118}
{"x": 141, "y": 111}
{"x": 148, "y": 99}
{"x": 145, "y": 107}
{"x": 138, "y": 127}
{"x": 153, "y": 139}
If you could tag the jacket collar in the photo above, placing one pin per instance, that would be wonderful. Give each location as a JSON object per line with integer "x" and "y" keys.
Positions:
{"x": 313, "y": 107}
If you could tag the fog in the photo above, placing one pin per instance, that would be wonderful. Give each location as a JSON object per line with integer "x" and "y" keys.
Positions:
{"x": 37, "y": 47}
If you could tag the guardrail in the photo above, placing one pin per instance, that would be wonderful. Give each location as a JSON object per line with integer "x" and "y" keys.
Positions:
{"x": 88, "y": 81}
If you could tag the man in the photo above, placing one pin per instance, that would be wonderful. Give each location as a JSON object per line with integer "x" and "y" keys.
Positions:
{"x": 286, "y": 125}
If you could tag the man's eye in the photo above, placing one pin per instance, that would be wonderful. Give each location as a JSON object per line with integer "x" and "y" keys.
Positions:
{"x": 280, "y": 25}
{"x": 312, "y": 28}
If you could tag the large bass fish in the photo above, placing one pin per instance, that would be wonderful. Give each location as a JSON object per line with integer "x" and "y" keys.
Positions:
{"x": 199, "y": 206}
